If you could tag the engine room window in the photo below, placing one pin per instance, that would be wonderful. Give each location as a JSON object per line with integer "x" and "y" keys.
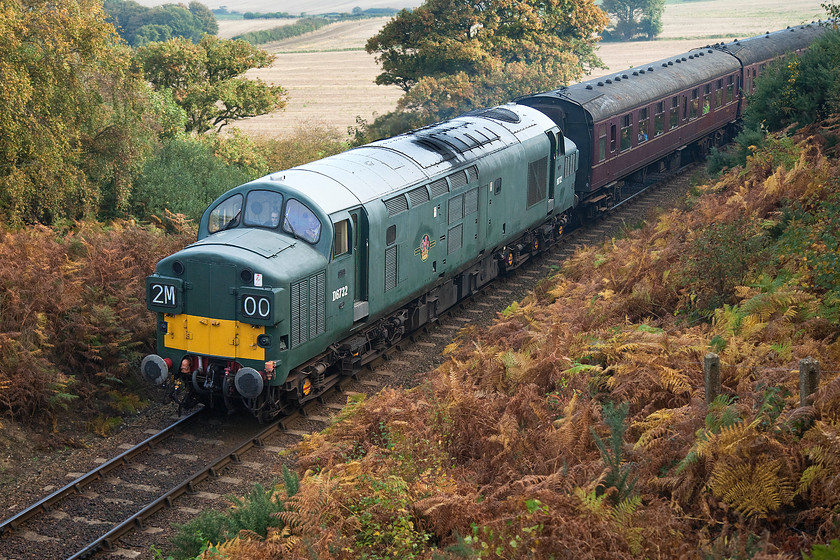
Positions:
{"x": 301, "y": 222}
{"x": 391, "y": 234}
{"x": 262, "y": 209}
{"x": 342, "y": 238}
{"x": 626, "y": 132}
{"x": 226, "y": 214}
{"x": 537, "y": 180}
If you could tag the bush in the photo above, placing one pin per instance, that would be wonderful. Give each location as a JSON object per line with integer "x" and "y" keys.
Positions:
{"x": 799, "y": 89}
{"x": 184, "y": 176}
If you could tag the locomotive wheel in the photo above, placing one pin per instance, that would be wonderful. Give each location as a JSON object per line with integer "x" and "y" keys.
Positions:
{"x": 510, "y": 258}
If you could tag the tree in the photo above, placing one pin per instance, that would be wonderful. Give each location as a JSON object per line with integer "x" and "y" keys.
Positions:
{"x": 453, "y": 55}
{"x": 139, "y": 25}
{"x": 635, "y": 17}
{"x": 73, "y": 114}
{"x": 206, "y": 82}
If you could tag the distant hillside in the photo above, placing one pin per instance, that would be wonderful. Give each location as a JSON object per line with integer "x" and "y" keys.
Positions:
{"x": 296, "y": 6}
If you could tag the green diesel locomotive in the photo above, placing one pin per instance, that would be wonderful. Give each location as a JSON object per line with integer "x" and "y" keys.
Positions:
{"x": 305, "y": 275}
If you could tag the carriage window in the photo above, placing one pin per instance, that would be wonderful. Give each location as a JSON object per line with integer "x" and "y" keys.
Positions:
{"x": 644, "y": 124}
{"x": 659, "y": 119}
{"x": 602, "y": 143}
{"x": 301, "y": 222}
{"x": 342, "y": 238}
{"x": 675, "y": 112}
{"x": 719, "y": 94}
{"x": 695, "y": 103}
{"x": 707, "y": 98}
{"x": 262, "y": 209}
{"x": 626, "y": 132}
{"x": 612, "y": 138}
{"x": 730, "y": 89}
{"x": 225, "y": 215}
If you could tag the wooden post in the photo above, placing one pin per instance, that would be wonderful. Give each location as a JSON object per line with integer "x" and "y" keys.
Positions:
{"x": 711, "y": 373}
{"x": 809, "y": 378}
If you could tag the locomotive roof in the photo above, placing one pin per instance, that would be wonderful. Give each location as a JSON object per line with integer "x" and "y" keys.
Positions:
{"x": 627, "y": 89}
{"x": 375, "y": 170}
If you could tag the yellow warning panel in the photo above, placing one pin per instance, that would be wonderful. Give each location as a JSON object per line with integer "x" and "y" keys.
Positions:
{"x": 214, "y": 337}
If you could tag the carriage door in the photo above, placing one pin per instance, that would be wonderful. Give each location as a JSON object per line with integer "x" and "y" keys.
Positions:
{"x": 360, "y": 250}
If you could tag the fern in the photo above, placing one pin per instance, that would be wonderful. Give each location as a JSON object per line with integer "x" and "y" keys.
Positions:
{"x": 751, "y": 488}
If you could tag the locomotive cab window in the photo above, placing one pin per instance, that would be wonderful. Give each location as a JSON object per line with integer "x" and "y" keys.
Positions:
{"x": 262, "y": 209}
{"x": 301, "y": 222}
{"x": 225, "y": 215}
{"x": 342, "y": 238}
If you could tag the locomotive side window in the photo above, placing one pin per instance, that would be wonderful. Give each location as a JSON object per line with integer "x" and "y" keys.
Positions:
{"x": 719, "y": 94}
{"x": 301, "y": 222}
{"x": 644, "y": 124}
{"x": 659, "y": 119}
{"x": 342, "y": 238}
{"x": 626, "y": 132}
{"x": 674, "y": 120}
{"x": 262, "y": 209}
{"x": 391, "y": 234}
{"x": 225, "y": 215}
{"x": 602, "y": 143}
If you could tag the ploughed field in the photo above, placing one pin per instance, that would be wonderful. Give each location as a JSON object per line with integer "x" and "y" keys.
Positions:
{"x": 330, "y": 78}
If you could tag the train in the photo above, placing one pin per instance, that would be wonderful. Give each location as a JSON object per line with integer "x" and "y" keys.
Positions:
{"x": 302, "y": 277}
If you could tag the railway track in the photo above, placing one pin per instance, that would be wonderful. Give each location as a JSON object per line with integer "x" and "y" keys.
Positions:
{"x": 128, "y": 504}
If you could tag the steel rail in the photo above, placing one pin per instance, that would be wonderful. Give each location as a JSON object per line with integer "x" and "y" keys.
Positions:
{"x": 107, "y": 541}
{"x": 77, "y": 485}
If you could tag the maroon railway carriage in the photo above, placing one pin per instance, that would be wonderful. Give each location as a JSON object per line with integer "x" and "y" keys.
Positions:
{"x": 659, "y": 115}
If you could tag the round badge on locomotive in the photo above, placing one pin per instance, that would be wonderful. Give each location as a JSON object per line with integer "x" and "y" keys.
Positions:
{"x": 335, "y": 241}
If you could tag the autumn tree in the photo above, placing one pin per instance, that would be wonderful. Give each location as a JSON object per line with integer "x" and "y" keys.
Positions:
{"x": 73, "y": 114}
{"x": 454, "y": 55}
{"x": 140, "y": 25}
{"x": 634, "y": 18}
{"x": 206, "y": 79}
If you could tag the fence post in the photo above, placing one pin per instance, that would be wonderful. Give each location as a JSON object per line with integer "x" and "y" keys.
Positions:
{"x": 809, "y": 378}
{"x": 711, "y": 374}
